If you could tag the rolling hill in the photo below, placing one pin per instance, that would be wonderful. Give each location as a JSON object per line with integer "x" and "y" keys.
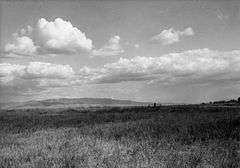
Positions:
{"x": 73, "y": 102}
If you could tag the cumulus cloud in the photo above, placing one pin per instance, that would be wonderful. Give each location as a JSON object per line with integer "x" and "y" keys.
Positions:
{"x": 49, "y": 37}
{"x": 171, "y": 36}
{"x": 112, "y": 48}
{"x": 61, "y": 35}
{"x": 21, "y": 46}
{"x": 202, "y": 65}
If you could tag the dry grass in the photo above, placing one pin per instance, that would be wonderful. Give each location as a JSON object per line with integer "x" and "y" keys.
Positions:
{"x": 167, "y": 137}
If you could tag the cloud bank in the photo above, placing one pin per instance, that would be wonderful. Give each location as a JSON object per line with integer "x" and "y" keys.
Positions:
{"x": 201, "y": 66}
{"x": 37, "y": 71}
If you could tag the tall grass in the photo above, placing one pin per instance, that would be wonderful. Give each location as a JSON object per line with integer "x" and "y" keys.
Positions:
{"x": 168, "y": 137}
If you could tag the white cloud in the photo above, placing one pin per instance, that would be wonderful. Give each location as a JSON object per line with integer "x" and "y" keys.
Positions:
{"x": 48, "y": 70}
{"x": 26, "y": 31}
{"x": 171, "y": 36}
{"x": 187, "y": 32}
{"x": 34, "y": 71}
{"x": 49, "y": 37}
{"x": 21, "y": 45}
{"x": 202, "y": 65}
{"x": 112, "y": 48}
{"x": 9, "y": 71}
{"x": 136, "y": 45}
{"x": 61, "y": 35}
{"x": 46, "y": 83}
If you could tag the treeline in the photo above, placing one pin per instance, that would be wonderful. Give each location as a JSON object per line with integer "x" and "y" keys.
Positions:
{"x": 226, "y": 102}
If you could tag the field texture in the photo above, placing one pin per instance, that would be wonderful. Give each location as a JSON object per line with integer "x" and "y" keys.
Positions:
{"x": 153, "y": 137}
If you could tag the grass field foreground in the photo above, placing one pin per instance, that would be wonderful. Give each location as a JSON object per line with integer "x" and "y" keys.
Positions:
{"x": 167, "y": 136}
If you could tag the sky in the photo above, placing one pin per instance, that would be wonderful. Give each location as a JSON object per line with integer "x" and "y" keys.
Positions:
{"x": 184, "y": 51}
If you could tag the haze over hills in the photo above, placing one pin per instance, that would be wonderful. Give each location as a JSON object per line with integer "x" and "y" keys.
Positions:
{"x": 72, "y": 102}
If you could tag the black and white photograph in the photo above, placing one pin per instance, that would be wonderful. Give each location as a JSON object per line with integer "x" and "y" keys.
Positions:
{"x": 119, "y": 83}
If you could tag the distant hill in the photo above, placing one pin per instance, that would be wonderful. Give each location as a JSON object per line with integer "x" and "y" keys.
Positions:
{"x": 73, "y": 102}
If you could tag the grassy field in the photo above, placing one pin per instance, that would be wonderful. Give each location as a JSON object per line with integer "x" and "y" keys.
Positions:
{"x": 162, "y": 137}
